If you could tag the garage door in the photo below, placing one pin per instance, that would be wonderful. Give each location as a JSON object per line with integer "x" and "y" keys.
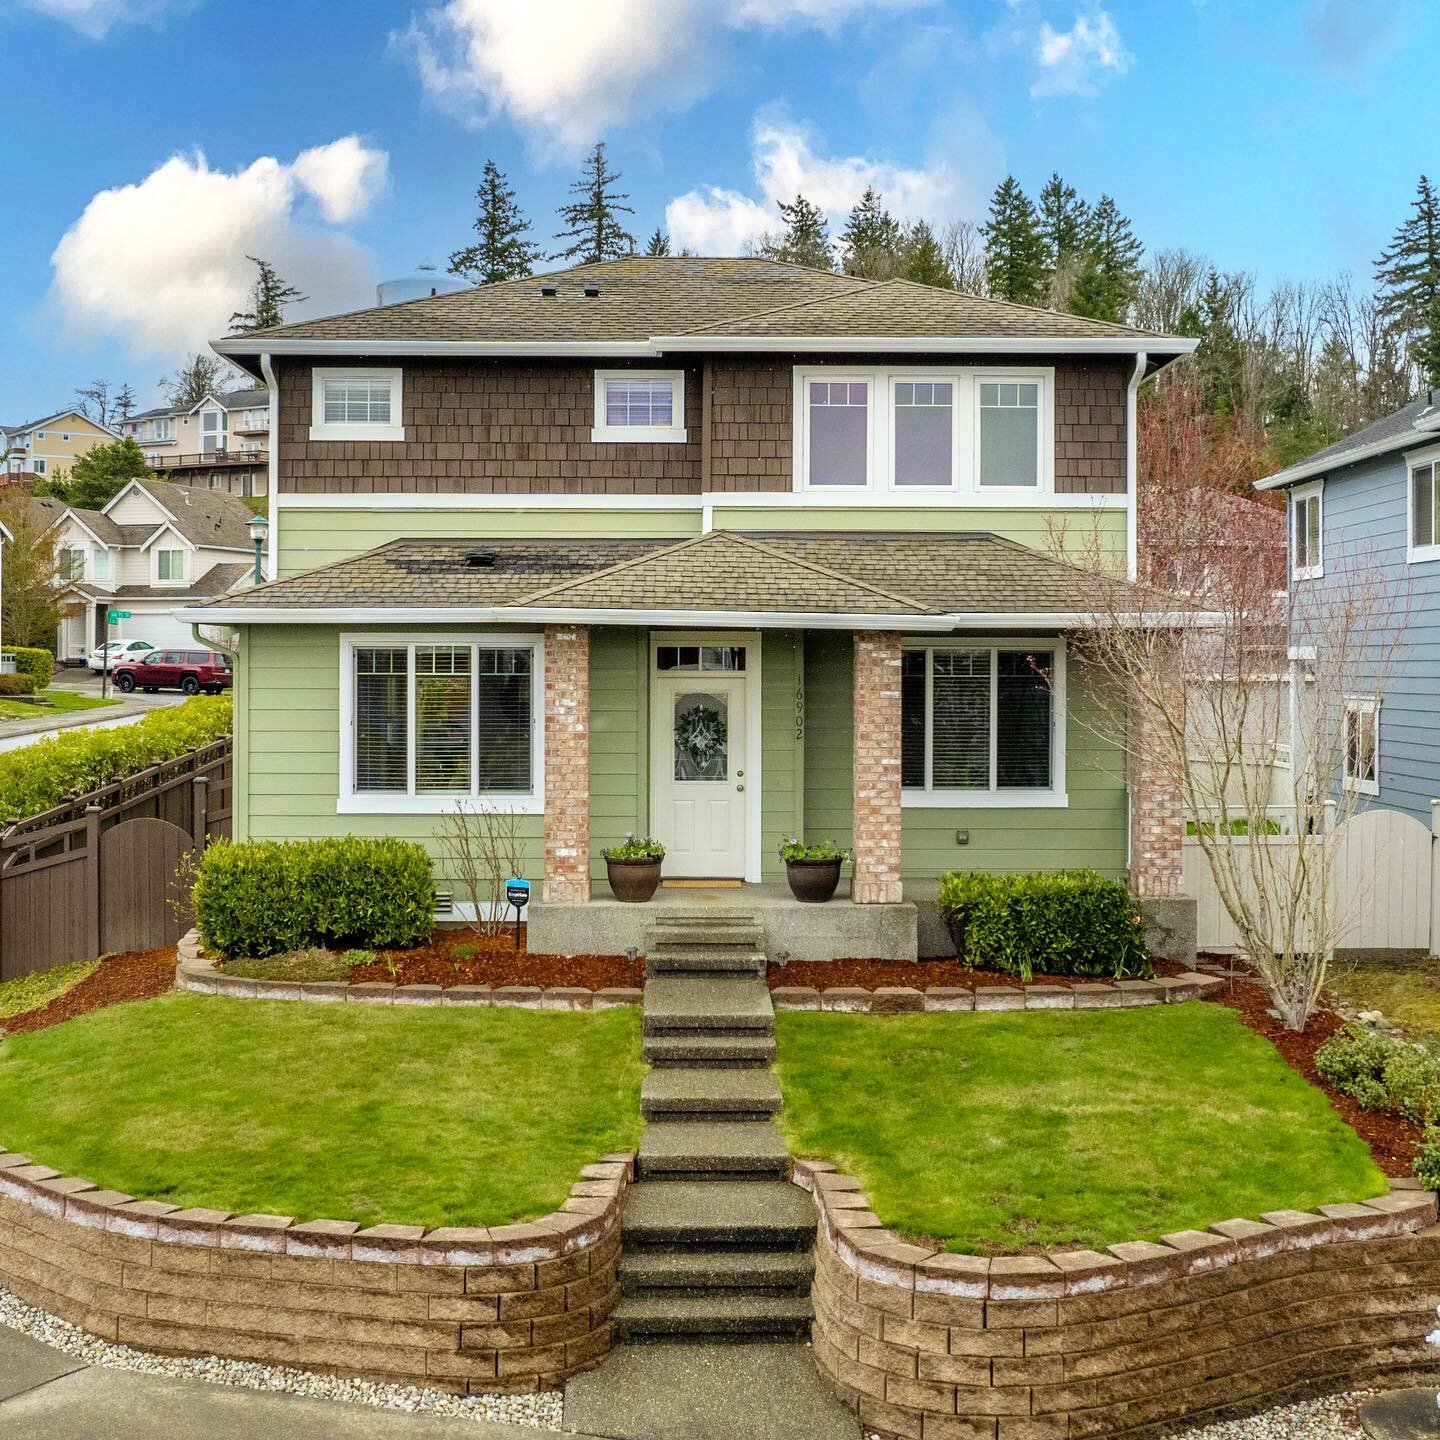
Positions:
{"x": 159, "y": 627}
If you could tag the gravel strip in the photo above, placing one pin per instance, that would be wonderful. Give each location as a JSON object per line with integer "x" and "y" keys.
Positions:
{"x": 540, "y": 1411}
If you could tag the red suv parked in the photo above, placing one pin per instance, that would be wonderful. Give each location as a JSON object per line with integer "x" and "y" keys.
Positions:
{"x": 189, "y": 670}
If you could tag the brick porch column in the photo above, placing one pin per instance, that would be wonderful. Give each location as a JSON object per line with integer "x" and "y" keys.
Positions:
{"x": 567, "y": 764}
{"x": 877, "y": 769}
{"x": 1157, "y": 820}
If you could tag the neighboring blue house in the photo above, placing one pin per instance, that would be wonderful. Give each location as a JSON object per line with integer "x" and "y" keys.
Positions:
{"x": 1378, "y": 491}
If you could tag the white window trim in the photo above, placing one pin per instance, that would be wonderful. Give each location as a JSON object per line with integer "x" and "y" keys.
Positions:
{"x": 1056, "y": 797}
{"x": 880, "y": 487}
{"x": 319, "y": 430}
{"x": 1416, "y": 554}
{"x": 603, "y": 433}
{"x": 1299, "y": 494}
{"x": 184, "y": 566}
{"x": 1361, "y": 705}
{"x": 349, "y": 802}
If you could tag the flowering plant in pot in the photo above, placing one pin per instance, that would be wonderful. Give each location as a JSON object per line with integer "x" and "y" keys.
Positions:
{"x": 812, "y": 870}
{"x": 633, "y": 866}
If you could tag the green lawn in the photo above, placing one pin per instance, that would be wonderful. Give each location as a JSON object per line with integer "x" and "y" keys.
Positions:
{"x": 59, "y": 702}
{"x": 1404, "y": 987}
{"x": 1008, "y": 1132}
{"x": 418, "y": 1116}
{"x": 30, "y": 992}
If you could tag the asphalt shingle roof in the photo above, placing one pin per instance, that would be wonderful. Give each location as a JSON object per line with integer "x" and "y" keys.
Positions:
{"x": 1396, "y": 431}
{"x": 204, "y": 517}
{"x": 215, "y": 582}
{"x": 642, "y": 297}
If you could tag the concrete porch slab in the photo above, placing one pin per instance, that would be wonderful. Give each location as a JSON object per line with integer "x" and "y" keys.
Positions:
{"x": 837, "y": 930}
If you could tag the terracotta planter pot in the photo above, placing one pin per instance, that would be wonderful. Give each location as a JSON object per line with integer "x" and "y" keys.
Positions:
{"x": 634, "y": 880}
{"x": 813, "y": 881}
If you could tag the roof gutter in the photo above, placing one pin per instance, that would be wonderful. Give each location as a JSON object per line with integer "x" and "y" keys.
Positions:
{"x": 1308, "y": 469}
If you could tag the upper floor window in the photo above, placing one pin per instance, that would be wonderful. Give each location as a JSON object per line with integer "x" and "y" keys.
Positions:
{"x": 169, "y": 565}
{"x": 65, "y": 435}
{"x": 160, "y": 429}
{"x": 1424, "y": 507}
{"x": 1306, "y": 532}
{"x": 356, "y": 405}
{"x": 102, "y": 564}
{"x": 75, "y": 563}
{"x": 907, "y": 430}
{"x": 639, "y": 406}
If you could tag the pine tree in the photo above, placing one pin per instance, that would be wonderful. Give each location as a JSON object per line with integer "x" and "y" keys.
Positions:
{"x": 870, "y": 244}
{"x": 1220, "y": 357}
{"x": 123, "y": 406}
{"x": 1110, "y": 271}
{"x": 1408, "y": 276}
{"x": 924, "y": 258}
{"x": 269, "y": 296}
{"x": 1064, "y": 221}
{"x": 1014, "y": 248}
{"x": 659, "y": 243}
{"x": 502, "y": 252}
{"x": 806, "y": 238}
{"x": 594, "y": 219}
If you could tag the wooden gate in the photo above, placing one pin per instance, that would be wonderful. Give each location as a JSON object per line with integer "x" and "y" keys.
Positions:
{"x": 137, "y": 884}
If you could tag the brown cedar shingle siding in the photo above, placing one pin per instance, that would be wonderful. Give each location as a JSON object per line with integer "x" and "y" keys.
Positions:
{"x": 523, "y": 426}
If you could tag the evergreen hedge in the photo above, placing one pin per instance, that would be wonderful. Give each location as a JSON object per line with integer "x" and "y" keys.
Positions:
{"x": 268, "y": 897}
{"x": 1061, "y": 922}
{"x": 17, "y": 684}
{"x": 31, "y": 661}
{"x": 40, "y": 776}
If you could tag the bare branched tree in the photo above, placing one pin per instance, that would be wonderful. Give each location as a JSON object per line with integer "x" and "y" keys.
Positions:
{"x": 483, "y": 849}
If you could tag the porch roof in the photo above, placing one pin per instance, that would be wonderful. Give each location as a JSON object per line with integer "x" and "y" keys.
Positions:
{"x": 813, "y": 579}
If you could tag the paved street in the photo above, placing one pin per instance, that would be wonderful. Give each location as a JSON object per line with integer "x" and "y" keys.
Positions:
{"x": 17, "y": 733}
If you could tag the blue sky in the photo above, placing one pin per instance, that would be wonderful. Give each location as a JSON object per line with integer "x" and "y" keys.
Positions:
{"x": 343, "y": 141}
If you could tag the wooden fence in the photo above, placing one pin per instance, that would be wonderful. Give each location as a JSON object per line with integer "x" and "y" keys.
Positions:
{"x": 97, "y": 873}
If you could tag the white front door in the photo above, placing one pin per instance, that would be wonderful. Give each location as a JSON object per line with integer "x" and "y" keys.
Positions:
{"x": 698, "y": 750}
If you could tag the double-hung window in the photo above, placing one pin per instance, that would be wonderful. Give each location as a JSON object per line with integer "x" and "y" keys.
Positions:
{"x": 355, "y": 404}
{"x": 644, "y": 407}
{"x": 1307, "y": 532}
{"x": 75, "y": 562}
{"x": 1424, "y": 508}
{"x": 1362, "y": 746}
{"x": 169, "y": 566}
{"x": 983, "y": 724}
{"x": 435, "y": 722}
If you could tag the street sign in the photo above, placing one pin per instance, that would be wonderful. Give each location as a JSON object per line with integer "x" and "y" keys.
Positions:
{"x": 114, "y": 617}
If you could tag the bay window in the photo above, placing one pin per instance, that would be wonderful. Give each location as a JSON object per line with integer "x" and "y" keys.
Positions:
{"x": 983, "y": 724}
{"x": 435, "y": 721}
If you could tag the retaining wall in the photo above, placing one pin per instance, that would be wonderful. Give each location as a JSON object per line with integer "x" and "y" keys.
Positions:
{"x": 513, "y": 1307}
{"x": 1132, "y": 1342}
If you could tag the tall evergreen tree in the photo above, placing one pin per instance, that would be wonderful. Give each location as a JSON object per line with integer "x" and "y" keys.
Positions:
{"x": 595, "y": 229}
{"x": 871, "y": 242}
{"x": 1110, "y": 271}
{"x": 1063, "y": 221}
{"x": 924, "y": 258}
{"x": 659, "y": 243}
{"x": 806, "y": 237}
{"x": 1408, "y": 276}
{"x": 1014, "y": 248}
{"x": 269, "y": 296}
{"x": 123, "y": 406}
{"x": 99, "y": 475}
{"x": 1220, "y": 357}
{"x": 502, "y": 252}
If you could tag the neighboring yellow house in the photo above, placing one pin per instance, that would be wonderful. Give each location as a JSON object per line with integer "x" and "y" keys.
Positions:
{"x": 50, "y": 446}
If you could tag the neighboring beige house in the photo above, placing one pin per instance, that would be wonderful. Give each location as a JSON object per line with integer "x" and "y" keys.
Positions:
{"x": 48, "y": 447}
{"x": 221, "y": 443}
{"x": 155, "y": 546}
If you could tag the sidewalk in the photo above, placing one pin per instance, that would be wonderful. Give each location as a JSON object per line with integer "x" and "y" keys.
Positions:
{"x": 47, "y": 1395}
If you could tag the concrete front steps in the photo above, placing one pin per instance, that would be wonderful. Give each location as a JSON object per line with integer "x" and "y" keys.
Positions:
{"x": 716, "y": 1241}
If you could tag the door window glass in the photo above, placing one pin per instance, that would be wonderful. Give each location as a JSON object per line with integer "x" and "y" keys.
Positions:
{"x": 702, "y": 736}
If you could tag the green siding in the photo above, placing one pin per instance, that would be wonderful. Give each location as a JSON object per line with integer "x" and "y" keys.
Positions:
{"x": 829, "y": 751}
{"x": 619, "y": 739}
{"x": 782, "y": 760}
{"x": 319, "y": 537}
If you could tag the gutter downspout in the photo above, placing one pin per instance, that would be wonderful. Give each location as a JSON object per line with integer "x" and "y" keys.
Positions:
{"x": 1132, "y": 468}
{"x": 272, "y": 485}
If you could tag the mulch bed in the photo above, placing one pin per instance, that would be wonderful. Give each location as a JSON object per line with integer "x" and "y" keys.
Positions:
{"x": 132, "y": 975}
{"x": 919, "y": 975}
{"x": 1393, "y": 1140}
{"x": 494, "y": 960}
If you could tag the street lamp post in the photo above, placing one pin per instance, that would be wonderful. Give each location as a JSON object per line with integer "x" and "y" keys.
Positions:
{"x": 258, "y": 526}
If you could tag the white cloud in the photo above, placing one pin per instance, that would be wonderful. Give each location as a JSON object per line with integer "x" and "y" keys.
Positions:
{"x": 161, "y": 264}
{"x": 96, "y": 18}
{"x": 787, "y": 162}
{"x": 568, "y": 70}
{"x": 1079, "y": 60}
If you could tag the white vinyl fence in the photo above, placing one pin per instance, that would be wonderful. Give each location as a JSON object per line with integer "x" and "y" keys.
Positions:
{"x": 1385, "y": 881}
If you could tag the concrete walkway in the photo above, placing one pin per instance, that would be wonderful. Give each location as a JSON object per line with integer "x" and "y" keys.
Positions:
{"x": 47, "y": 1395}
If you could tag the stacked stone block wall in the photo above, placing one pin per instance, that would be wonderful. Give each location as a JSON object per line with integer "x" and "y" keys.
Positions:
{"x": 1134, "y": 1342}
{"x": 567, "y": 764}
{"x": 514, "y": 1307}
{"x": 1157, "y": 817}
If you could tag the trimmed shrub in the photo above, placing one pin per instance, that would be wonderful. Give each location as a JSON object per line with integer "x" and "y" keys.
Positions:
{"x": 1382, "y": 1072}
{"x": 1062, "y": 922}
{"x": 40, "y": 776}
{"x": 1427, "y": 1161}
{"x": 17, "y": 684}
{"x": 31, "y": 661}
{"x": 267, "y": 897}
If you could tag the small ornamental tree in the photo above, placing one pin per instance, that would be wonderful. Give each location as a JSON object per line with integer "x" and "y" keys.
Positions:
{"x": 35, "y": 573}
{"x": 1238, "y": 708}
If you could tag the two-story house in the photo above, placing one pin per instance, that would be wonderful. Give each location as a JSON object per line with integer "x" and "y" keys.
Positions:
{"x": 221, "y": 442}
{"x": 719, "y": 550}
{"x": 48, "y": 447}
{"x": 155, "y": 547}
{"x": 1373, "y": 500}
